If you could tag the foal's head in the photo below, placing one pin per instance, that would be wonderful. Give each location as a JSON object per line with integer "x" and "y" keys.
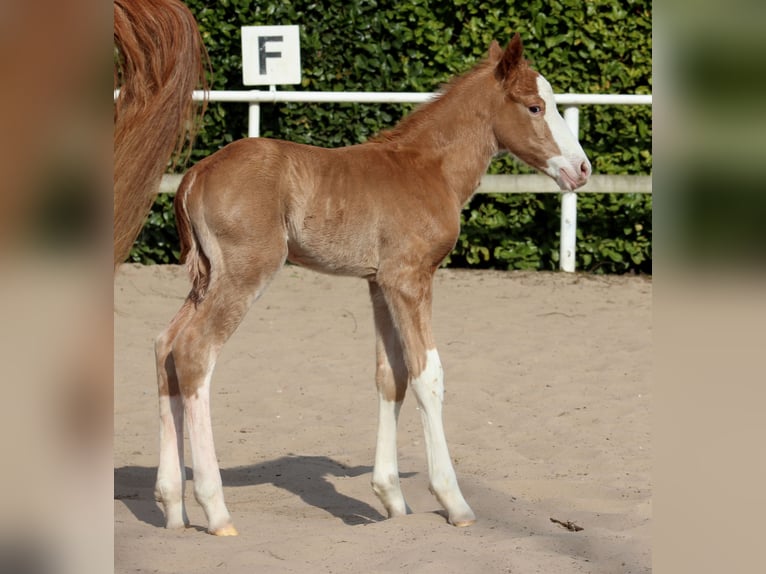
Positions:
{"x": 527, "y": 123}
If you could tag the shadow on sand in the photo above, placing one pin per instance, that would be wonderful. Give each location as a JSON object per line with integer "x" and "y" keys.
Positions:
{"x": 304, "y": 476}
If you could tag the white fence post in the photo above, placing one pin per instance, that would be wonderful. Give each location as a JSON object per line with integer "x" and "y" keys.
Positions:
{"x": 568, "y": 233}
{"x": 254, "y": 120}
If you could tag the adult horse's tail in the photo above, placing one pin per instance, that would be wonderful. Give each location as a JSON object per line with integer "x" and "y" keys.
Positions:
{"x": 161, "y": 60}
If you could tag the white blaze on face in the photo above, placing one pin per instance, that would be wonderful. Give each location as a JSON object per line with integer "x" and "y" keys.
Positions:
{"x": 571, "y": 169}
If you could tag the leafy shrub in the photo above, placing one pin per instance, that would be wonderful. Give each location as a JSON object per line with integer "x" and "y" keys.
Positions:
{"x": 158, "y": 242}
{"x": 415, "y": 45}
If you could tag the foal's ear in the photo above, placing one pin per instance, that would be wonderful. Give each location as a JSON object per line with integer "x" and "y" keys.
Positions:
{"x": 495, "y": 51}
{"x": 511, "y": 58}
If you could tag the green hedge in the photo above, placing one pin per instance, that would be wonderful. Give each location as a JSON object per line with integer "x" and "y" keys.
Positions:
{"x": 416, "y": 45}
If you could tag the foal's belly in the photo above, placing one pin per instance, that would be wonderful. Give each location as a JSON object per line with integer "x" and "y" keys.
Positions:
{"x": 337, "y": 251}
{"x": 334, "y": 263}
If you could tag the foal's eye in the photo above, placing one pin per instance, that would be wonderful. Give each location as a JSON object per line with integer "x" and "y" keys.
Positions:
{"x": 534, "y": 110}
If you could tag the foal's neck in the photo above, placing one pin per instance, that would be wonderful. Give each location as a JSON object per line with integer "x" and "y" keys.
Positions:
{"x": 457, "y": 128}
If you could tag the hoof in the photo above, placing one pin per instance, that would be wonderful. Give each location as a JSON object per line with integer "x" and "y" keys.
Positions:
{"x": 176, "y": 524}
{"x": 227, "y": 530}
{"x": 463, "y": 519}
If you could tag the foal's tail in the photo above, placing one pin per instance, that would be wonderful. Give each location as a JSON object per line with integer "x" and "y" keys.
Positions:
{"x": 192, "y": 254}
{"x": 161, "y": 59}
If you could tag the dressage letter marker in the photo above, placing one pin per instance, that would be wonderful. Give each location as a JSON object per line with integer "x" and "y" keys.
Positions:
{"x": 271, "y": 55}
{"x": 263, "y": 54}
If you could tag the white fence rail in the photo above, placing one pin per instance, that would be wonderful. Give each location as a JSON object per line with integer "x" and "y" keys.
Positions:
{"x": 496, "y": 184}
{"x": 520, "y": 183}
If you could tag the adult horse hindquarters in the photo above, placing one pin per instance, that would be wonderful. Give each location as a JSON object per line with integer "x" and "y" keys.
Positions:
{"x": 388, "y": 211}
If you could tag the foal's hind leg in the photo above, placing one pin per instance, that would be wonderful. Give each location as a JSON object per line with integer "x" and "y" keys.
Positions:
{"x": 408, "y": 296}
{"x": 391, "y": 382}
{"x": 195, "y": 351}
{"x": 171, "y": 475}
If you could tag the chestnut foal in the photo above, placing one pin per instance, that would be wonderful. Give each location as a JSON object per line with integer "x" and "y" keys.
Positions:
{"x": 387, "y": 211}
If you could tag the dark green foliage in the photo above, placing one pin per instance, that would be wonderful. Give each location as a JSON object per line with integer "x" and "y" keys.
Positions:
{"x": 614, "y": 233}
{"x": 416, "y": 45}
{"x": 158, "y": 242}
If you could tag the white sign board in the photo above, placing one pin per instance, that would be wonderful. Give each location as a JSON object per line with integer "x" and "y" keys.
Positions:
{"x": 271, "y": 55}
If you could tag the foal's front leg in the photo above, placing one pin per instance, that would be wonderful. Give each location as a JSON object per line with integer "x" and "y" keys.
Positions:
{"x": 391, "y": 383}
{"x": 428, "y": 386}
{"x": 409, "y": 304}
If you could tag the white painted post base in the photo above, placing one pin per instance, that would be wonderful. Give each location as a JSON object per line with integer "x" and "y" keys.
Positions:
{"x": 568, "y": 233}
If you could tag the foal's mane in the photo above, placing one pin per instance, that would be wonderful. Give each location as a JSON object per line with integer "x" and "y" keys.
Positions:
{"x": 424, "y": 112}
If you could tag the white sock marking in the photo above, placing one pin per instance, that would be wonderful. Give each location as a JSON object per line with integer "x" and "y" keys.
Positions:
{"x": 429, "y": 390}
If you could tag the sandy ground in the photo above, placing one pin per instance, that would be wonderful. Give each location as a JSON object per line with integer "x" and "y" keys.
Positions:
{"x": 547, "y": 413}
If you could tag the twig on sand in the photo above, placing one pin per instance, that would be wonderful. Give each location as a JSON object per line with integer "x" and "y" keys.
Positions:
{"x": 569, "y": 525}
